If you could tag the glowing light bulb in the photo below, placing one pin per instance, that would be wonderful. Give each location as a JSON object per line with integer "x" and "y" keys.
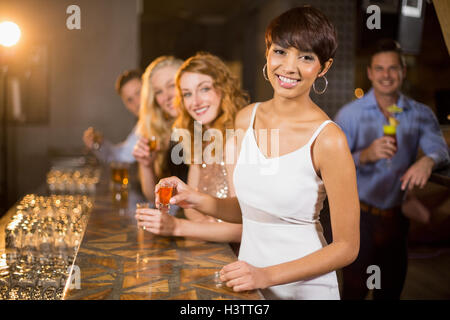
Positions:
{"x": 9, "y": 33}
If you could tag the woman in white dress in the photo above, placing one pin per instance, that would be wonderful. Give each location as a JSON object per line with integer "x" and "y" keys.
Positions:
{"x": 281, "y": 185}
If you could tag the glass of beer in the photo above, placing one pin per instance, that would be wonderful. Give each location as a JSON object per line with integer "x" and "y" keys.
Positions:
{"x": 119, "y": 174}
{"x": 165, "y": 193}
{"x": 119, "y": 184}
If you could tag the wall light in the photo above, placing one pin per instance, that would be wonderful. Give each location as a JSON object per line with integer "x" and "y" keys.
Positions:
{"x": 9, "y": 33}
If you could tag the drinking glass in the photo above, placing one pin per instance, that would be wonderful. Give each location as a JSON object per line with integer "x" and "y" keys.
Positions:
{"x": 153, "y": 143}
{"x": 217, "y": 280}
{"x": 165, "y": 193}
{"x": 119, "y": 174}
{"x": 390, "y": 130}
{"x": 142, "y": 205}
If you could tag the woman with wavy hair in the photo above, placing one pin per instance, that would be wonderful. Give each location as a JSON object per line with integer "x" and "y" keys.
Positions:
{"x": 156, "y": 116}
{"x": 208, "y": 98}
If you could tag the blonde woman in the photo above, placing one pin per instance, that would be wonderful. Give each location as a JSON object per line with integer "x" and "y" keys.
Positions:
{"x": 156, "y": 116}
{"x": 208, "y": 97}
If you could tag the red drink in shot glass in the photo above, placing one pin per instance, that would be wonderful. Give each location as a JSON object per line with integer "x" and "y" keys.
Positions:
{"x": 165, "y": 193}
{"x": 153, "y": 143}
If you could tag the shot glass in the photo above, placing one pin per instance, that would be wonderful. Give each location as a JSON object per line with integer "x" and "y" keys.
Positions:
{"x": 217, "y": 281}
{"x": 153, "y": 143}
{"x": 142, "y": 205}
{"x": 165, "y": 193}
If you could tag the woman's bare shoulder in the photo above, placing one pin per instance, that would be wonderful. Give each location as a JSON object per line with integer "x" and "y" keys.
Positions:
{"x": 332, "y": 139}
{"x": 243, "y": 117}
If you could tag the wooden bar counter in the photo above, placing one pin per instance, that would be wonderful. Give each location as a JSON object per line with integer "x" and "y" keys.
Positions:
{"x": 117, "y": 260}
{"x": 441, "y": 176}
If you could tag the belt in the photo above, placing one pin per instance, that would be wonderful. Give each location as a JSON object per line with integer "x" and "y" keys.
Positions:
{"x": 379, "y": 212}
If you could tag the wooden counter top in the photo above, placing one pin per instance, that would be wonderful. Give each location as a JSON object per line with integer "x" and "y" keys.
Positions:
{"x": 119, "y": 261}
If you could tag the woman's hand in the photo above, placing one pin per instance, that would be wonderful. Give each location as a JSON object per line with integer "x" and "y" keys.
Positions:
{"x": 157, "y": 221}
{"x": 142, "y": 153}
{"x": 183, "y": 195}
{"x": 242, "y": 276}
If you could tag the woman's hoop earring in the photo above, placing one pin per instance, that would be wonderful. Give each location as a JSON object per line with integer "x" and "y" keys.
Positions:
{"x": 324, "y": 89}
{"x": 264, "y": 72}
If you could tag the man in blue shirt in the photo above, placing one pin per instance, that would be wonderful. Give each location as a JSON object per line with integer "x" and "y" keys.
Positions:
{"x": 128, "y": 87}
{"x": 386, "y": 168}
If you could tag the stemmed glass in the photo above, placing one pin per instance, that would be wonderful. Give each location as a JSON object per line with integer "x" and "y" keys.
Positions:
{"x": 390, "y": 130}
{"x": 38, "y": 239}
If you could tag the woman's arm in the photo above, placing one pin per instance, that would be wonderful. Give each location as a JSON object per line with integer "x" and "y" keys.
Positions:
{"x": 196, "y": 204}
{"x": 148, "y": 183}
{"x": 196, "y": 227}
{"x": 160, "y": 222}
{"x": 193, "y": 181}
{"x": 226, "y": 209}
{"x": 210, "y": 231}
{"x": 145, "y": 159}
{"x": 339, "y": 177}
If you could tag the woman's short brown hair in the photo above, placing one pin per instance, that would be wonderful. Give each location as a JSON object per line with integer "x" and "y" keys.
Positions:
{"x": 306, "y": 29}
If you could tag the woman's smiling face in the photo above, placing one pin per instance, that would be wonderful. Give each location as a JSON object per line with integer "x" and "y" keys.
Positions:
{"x": 163, "y": 82}
{"x": 200, "y": 98}
{"x": 291, "y": 71}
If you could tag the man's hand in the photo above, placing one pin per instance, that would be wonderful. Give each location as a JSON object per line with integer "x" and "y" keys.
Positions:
{"x": 381, "y": 148}
{"x": 418, "y": 174}
{"x": 90, "y": 137}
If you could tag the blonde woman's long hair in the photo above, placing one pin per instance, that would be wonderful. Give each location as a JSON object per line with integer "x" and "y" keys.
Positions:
{"x": 153, "y": 121}
{"x": 233, "y": 98}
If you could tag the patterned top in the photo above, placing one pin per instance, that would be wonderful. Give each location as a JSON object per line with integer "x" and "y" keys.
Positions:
{"x": 213, "y": 180}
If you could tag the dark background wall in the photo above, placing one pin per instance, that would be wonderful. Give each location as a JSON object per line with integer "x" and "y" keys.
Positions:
{"x": 428, "y": 71}
{"x": 234, "y": 30}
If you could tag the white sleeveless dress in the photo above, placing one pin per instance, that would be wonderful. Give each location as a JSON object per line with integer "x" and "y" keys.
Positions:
{"x": 281, "y": 199}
